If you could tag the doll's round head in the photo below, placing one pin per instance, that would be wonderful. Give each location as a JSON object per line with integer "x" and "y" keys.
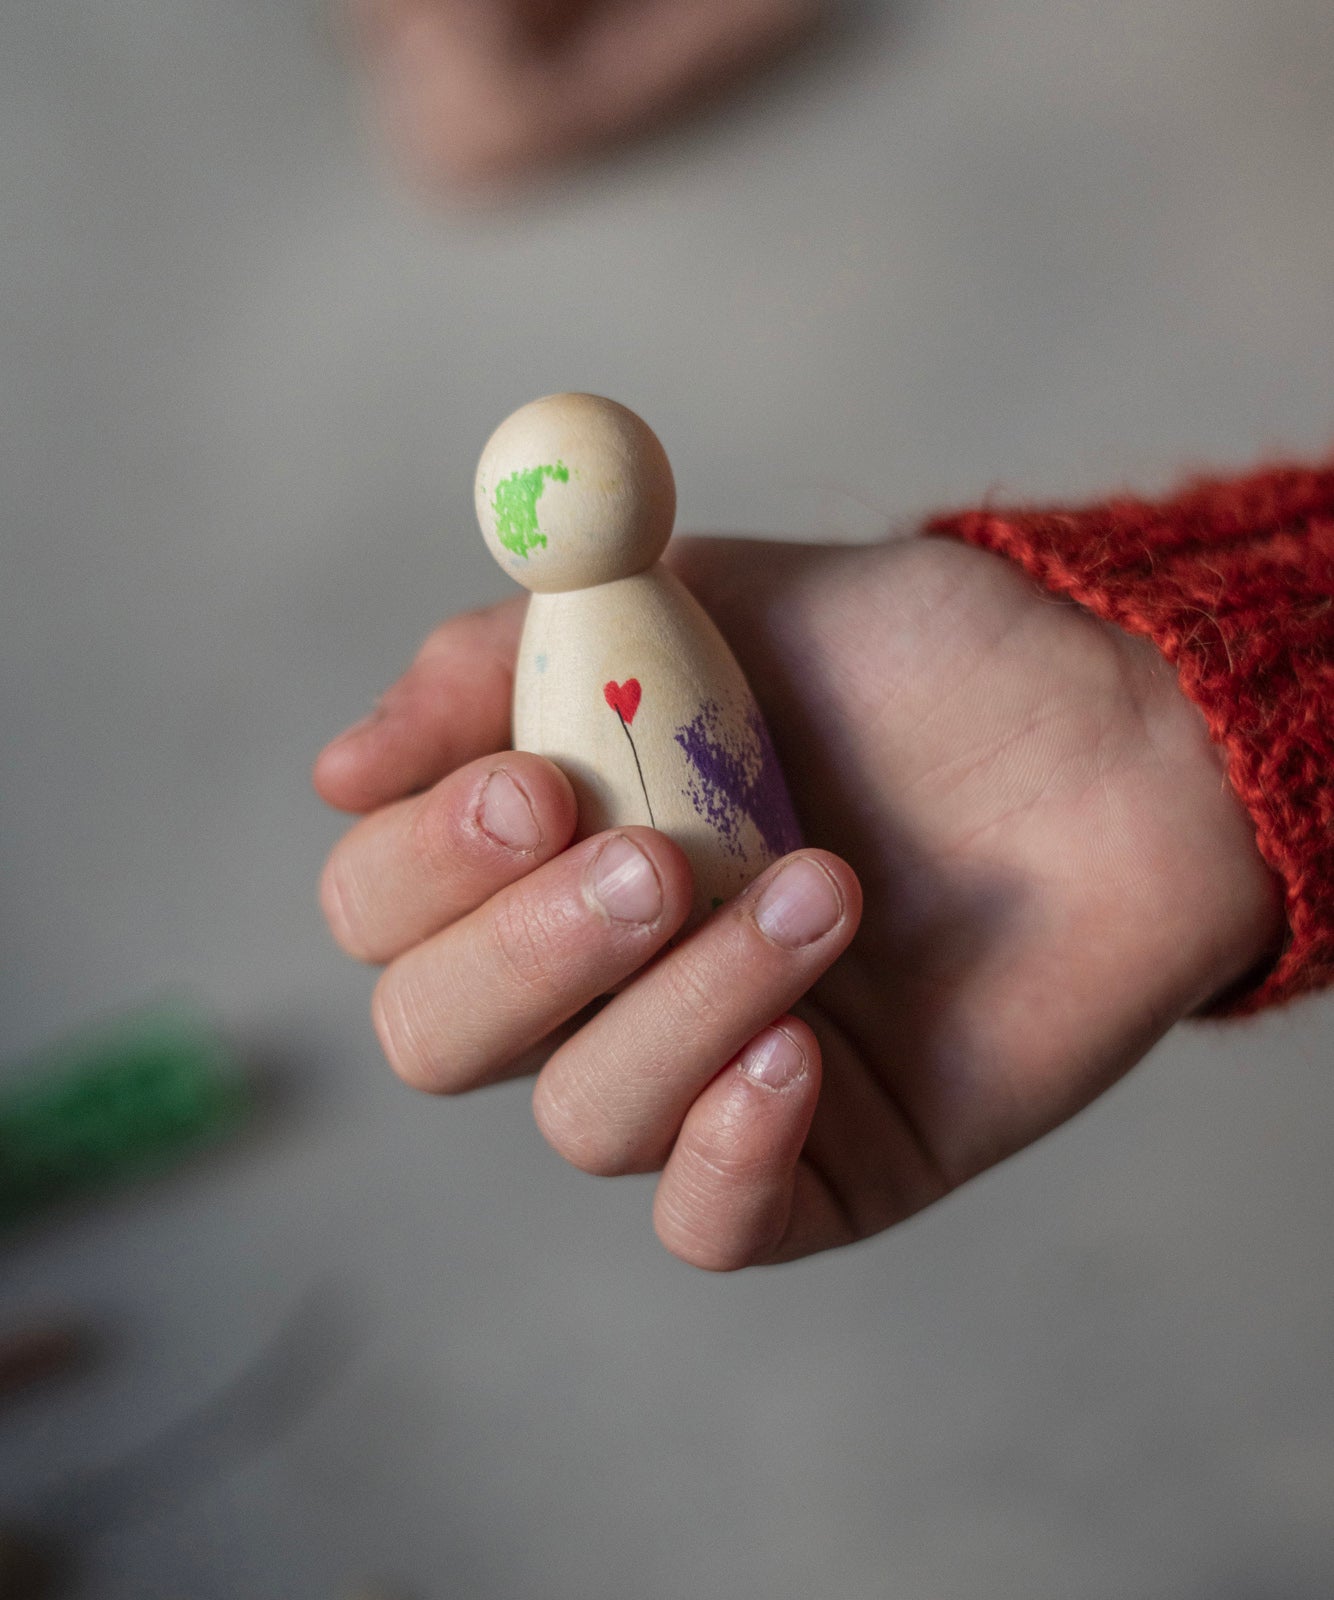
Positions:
{"x": 574, "y": 491}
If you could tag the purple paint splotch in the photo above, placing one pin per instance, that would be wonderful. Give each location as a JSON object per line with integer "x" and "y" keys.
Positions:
{"x": 737, "y": 778}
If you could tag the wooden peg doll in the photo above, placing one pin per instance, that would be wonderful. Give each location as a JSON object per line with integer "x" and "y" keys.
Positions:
{"x": 622, "y": 679}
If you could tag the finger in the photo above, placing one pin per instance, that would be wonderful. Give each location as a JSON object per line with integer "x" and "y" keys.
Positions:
{"x": 457, "y": 1011}
{"x": 613, "y": 1099}
{"x": 725, "y": 1196}
{"x": 415, "y": 866}
{"x": 451, "y": 706}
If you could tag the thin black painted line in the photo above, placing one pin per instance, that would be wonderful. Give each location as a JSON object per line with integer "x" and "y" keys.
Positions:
{"x": 638, "y": 768}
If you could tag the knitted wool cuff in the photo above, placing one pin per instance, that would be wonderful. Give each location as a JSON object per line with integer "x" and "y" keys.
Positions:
{"x": 1233, "y": 580}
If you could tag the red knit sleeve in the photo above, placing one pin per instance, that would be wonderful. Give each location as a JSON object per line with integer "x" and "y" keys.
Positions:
{"x": 1233, "y": 580}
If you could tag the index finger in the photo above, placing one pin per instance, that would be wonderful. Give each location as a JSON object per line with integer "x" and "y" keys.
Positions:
{"x": 451, "y": 706}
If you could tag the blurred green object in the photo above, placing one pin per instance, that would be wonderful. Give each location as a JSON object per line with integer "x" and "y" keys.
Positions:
{"x": 115, "y": 1103}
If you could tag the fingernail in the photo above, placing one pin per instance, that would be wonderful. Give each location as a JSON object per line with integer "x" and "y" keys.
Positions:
{"x": 506, "y": 813}
{"x": 799, "y": 905}
{"x": 773, "y": 1059}
{"x": 625, "y": 884}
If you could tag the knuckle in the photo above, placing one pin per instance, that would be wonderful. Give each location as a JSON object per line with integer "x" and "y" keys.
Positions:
{"x": 580, "y": 1139}
{"x": 606, "y": 1157}
{"x": 403, "y": 1033}
{"x": 726, "y": 1255}
{"x": 700, "y": 1242}
{"x": 596, "y": 1157}
{"x": 339, "y": 902}
{"x": 705, "y": 1216}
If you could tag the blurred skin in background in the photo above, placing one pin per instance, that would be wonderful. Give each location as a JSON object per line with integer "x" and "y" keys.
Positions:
{"x": 476, "y": 92}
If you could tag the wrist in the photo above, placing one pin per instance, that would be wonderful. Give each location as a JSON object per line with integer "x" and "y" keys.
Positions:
{"x": 1232, "y": 579}
{"x": 1216, "y": 885}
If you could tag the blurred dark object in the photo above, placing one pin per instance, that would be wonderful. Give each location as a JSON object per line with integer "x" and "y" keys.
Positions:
{"x": 277, "y": 1388}
{"x": 117, "y": 1103}
{"x": 31, "y": 1568}
{"x": 36, "y": 1354}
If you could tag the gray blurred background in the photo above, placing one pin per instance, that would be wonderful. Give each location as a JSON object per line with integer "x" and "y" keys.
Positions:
{"x": 1016, "y": 246}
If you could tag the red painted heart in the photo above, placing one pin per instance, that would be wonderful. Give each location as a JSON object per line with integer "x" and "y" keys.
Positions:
{"x": 623, "y": 698}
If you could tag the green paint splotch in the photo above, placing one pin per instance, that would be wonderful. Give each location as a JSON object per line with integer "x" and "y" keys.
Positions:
{"x": 515, "y": 506}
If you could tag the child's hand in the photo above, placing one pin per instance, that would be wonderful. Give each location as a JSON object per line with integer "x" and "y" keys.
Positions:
{"x": 1054, "y": 872}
